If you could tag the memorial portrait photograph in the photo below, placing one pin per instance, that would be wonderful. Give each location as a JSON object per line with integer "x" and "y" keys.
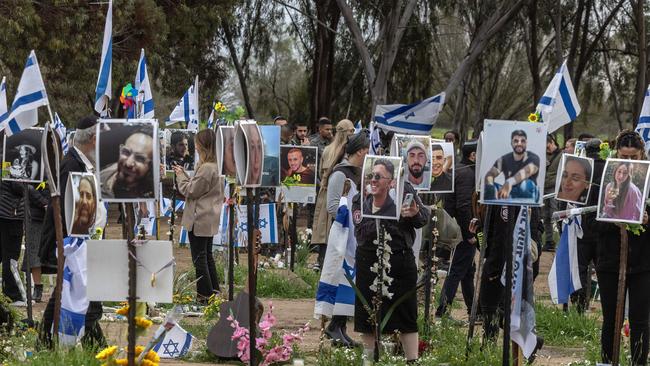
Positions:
{"x": 442, "y": 167}
{"x": 179, "y": 149}
{"x": 21, "y": 160}
{"x": 271, "y": 140}
{"x": 298, "y": 167}
{"x": 380, "y": 182}
{"x": 128, "y": 160}
{"x": 513, "y": 167}
{"x": 225, "y": 145}
{"x": 574, "y": 178}
{"x": 249, "y": 154}
{"x": 81, "y": 204}
{"x": 416, "y": 153}
{"x": 623, "y": 191}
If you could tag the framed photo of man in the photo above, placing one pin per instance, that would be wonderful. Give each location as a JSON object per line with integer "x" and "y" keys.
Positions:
{"x": 128, "y": 160}
{"x": 271, "y": 140}
{"x": 298, "y": 167}
{"x": 179, "y": 149}
{"x": 442, "y": 167}
{"x": 513, "y": 168}
{"x": 381, "y": 192}
{"x": 226, "y": 151}
{"x": 416, "y": 153}
{"x": 249, "y": 154}
{"x": 623, "y": 191}
{"x": 574, "y": 178}
{"x": 21, "y": 158}
{"x": 81, "y": 202}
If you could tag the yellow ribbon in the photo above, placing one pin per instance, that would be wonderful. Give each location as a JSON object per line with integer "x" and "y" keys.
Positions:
{"x": 41, "y": 186}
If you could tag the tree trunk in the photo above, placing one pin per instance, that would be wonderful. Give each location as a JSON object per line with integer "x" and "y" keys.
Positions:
{"x": 557, "y": 24}
{"x": 533, "y": 57}
{"x": 240, "y": 72}
{"x": 642, "y": 65}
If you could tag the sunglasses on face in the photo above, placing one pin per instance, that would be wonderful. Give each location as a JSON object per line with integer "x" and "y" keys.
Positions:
{"x": 139, "y": 158}
{"x": 376, "y": 176}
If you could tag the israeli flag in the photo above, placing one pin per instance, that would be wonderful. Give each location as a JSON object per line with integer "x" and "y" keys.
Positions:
{"x": 60, "y": 129}
{"x": 74, "y": 302}
{"x": 416, "y": 119}
{"x": 29, "y": 96}
{"x": 211, "y": 118}
{"x": 4, "y": 110}
{"x": 358, "y": 127}
{"x": 564, "y": 277}
{"x": 187, "y": 109}
{"x": 642, "y": 128}
{"x": 103, "y": 89}
{"x": 335, "y": 295}
{"x": 177, "y": 343}
{"x": 559, "y": 104}
{"x": 375, "y": 140}
{"x": 166, "y": 207}
{"x": 266, "y": 223}
{"x": 183, "y": 237}
{"x": 145, "y": 96}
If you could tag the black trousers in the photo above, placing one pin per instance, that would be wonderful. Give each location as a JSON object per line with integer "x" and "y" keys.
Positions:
{"x": 587, "y": 253}
{"x": 638, "y": 287}
{"x": 491, "y": 300}
{"x": 462, "y": 270}
{"x": 11, "y": 232}
{"x": 206, "y": 272}
{"x": 93, "y": 335}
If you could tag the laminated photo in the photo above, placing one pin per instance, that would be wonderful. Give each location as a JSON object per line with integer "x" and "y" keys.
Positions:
{"x": 180, "y": 149}
{"x": 81, "y": 203}
{"x": 298, "y": 167}
{"x": 128, "y": 160}
{"x": 514, "y": 165}
{"x": 21, "y": 159}
{"x": 574, "y": 177}
{"x": 271, "y": 171}
{"x": 249, "y": 154}
{"x": 381, "y": 187}
{"x": 225, "y": 151}
{"x": 416, "y": 154}
{"x": 623, "y": 190}
{"x": 442, "y": 167}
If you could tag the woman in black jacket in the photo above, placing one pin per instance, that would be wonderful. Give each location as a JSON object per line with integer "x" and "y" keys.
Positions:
{"x": 629, "y": 145}
{"x": 11, "y": 232}
{"x": 39, "y": 199}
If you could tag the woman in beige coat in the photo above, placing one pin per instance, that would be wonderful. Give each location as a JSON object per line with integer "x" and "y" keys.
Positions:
{"x": 204, "y": 198}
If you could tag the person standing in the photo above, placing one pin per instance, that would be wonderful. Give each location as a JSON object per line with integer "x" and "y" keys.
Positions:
{"x": 629, "y": 145}
{"x": 11, "y": 232}
{"x": 38, "y": 202}
{"x": 553, "y": 157}
{"x": 459, "y": 205}
{"x": 204, "y": 198}
{"x": 324, "y": 135}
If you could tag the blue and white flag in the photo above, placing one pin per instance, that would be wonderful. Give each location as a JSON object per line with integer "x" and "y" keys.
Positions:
{"x": 564, "y": 277}
{"x": 375, "y": 140}
{"x": 642, "y": 128}
{"x": 142, "y": 84}
{"x": 212, "y": 118}
{"x": 166, "y": 207}
{"x": 221, "y": 238}
{"x": 416, "y": 119}
{"x": 74, "y": 302}
{"x": 522, "y": 315}
{"x": 177, "y": 343}
{"x": 358, "y": 127}
{"x": 559, "y": 104}
{"x": 29, "y": 96}
{"x": 187, "y": 109}
{"x": 4, "y": 110}
{"x": 335, "y": 295}
{"x": 183, "y": 236}
{"x": 103, "y": 89}
{"x": 60, "y": 129}
{"x": 266, "y": 223}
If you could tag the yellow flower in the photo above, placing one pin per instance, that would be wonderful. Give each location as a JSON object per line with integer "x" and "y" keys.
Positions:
{"x": 106, "y": 353}
{"x": 146, "y": 362}
{"x": 138, "y": 349}
{"x": 604, "y": 146}
{"x": 533, "y": 117}
{"x": 122, "y": 361}
{"x": 124, "y": 311}
{"x": 152, "y": 356}
{"x": 142, "y": 322}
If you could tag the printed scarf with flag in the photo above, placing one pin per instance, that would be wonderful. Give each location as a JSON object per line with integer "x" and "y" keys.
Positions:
{"x": 416, "y": 119}
{"x": 522, "y": 312}
{"x": 187, "y": 109}
{"x": 564, "y": 277}
{"x": 642, "y": 128}
{"x": 103, "y": 89}
{"x": 29, "y": 96}
{"x": 74, "y": 302}
{"x": 335, "y": 296}
{"x": 559, "y": 104}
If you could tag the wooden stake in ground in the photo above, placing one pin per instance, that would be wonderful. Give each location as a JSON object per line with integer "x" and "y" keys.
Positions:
{"x": 129, "y": 222}
{"x": 28, "y": 257}
{"x": 172, "y": 217}
{"x": 231, "y": 244}
{"x": 482, "y": 243}
{"x": 507, "y": 296}
{"x": 620, "y": 296}
{"x": 252, "y": 275}
{"x": 293, "y": 231}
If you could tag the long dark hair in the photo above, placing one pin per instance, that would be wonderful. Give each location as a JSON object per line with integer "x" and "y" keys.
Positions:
{"x": 629, "y": 138}
{"x": 619, "y": 201}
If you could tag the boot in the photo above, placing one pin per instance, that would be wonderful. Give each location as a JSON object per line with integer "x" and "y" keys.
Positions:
{"x": 334, "y": 331}
{"x": 351, "y": 342}
{"x": 38, "y": 293}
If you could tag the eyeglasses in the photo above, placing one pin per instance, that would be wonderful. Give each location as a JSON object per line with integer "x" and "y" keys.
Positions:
{"x": 376, "y": 176}
{"x": 139, "y": 158}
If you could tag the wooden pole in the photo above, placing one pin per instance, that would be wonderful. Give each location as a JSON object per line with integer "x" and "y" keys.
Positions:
{"x": 482, "y": 242}
{"x": 60, "y": 260}
{"x": 129, "y": 223}
{"x": 620, "y": 296}
{"x": 172, "y": 217}
{"x": 231, "y": 245}
{"x": 28, "y": 257}
{"x": 507, "y": 293}
{"x": 293, "y": 231}
{"x": 252, "y": 275}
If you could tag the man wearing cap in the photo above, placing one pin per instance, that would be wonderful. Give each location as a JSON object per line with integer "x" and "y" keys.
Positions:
{"x": 416, "y": 160}
{"x": 80, "y": 158}
{"x": 440, "y": 180}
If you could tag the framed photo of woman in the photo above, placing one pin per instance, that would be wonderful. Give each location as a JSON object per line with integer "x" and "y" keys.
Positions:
{"x": 574, "y": 178}
{"x": 21, "y": 159}
{"x": 623, "y": 190}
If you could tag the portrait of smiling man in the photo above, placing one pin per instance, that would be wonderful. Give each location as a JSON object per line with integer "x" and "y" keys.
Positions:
{"x": 441, "y": 181}
{"x": 131, "y": 177}
{"x": 85, "y": 206}
{"x": 378, "y": 183}
{"x": 417, "y": 161}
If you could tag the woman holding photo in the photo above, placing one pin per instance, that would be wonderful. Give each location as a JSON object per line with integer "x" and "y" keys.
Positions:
{"x": 204, "y": 199}
{"x": 629, "y": 145}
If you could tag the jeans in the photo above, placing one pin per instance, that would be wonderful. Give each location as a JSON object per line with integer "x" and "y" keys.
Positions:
{"x": 638, "y": 287}
{"x": 206, "y": 272}
{"x": 10, "y": 237}
{"x": 525, "y": 189}
{"x": 586, "y": 254}
{"x": 462, "y": 270}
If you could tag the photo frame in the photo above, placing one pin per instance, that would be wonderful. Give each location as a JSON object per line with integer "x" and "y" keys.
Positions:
{"x": 623, "y": 191}
{"x": 226, "y": 152}
{"x": 180, "y": 149}
{"x": 128, "y": 160}
{"x": 579, "y": 149}
{"x": 22, "y": 156}
{"x": 513, "y": 168}
{"x": 81, "y": 202}
{"x": 443, "y": 167}
{"x": 574, "y": 179}
{"x": 477, "y": 170}
{"x": 381, "y": 181}
{"x": 271, "y": 140}
{"x": 416, "y": 155}
{"x": 298, "y": 167}
{"x": 249, "y": 154}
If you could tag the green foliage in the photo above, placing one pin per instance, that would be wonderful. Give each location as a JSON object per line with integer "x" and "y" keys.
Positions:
{"x": 566, "y": 329}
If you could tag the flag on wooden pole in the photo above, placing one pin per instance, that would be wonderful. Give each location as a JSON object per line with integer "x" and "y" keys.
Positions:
{"x": 103, "y": 89}
{"x": 559, "y": 104}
